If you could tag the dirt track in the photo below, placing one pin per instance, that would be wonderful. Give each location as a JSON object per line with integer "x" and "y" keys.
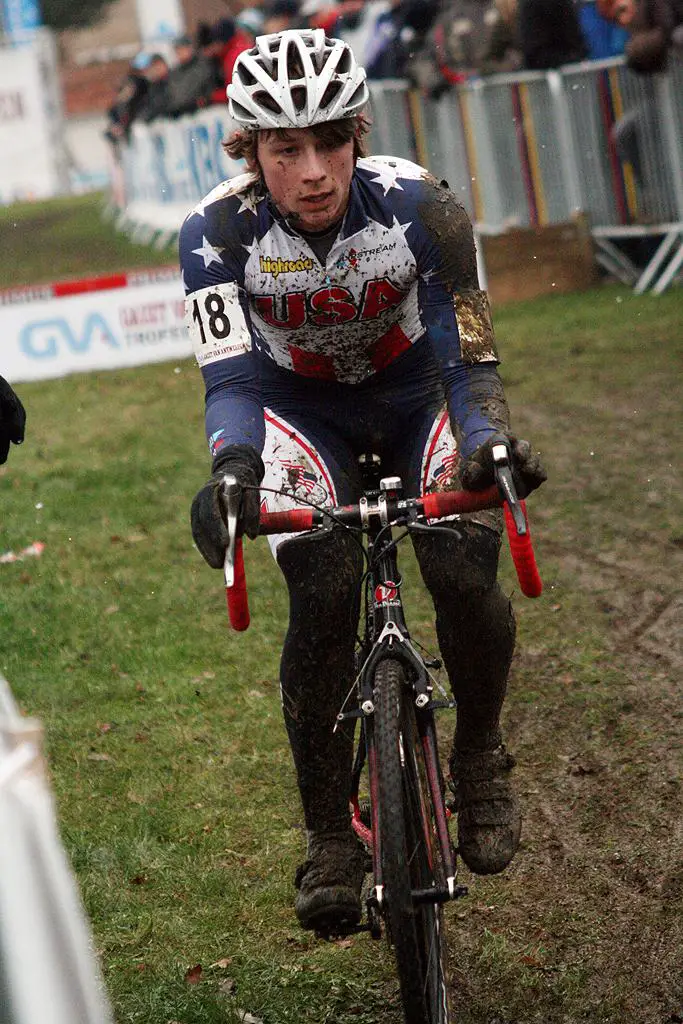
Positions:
{"x": 587, "y": 925}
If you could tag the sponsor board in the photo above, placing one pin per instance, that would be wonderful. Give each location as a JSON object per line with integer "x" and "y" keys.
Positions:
{"x": 126, "y": 325}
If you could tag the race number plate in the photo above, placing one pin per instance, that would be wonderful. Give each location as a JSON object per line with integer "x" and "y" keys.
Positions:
{"x": 216, "y": 322}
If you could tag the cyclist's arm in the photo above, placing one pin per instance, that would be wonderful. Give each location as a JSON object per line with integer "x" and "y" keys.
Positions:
{"x": 457, "y": 318}
{"x": 217, "y": 316}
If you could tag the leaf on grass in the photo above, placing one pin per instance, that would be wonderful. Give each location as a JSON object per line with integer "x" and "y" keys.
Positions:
{"x": 248, "y": 1018}
{"x": 99, "y": 757}
{"x": 104, "y": 727}
{"x": 193, "y": 975}
{"x": 227, "y": 986}
{"x": 139, "y": 880}
{"x": 222, "y": 964}
{"x": 343, "y": 943}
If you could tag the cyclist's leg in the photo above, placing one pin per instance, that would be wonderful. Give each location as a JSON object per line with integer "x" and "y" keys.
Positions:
{"x": 322, "y": 571}
{"x": 476, "y": 633}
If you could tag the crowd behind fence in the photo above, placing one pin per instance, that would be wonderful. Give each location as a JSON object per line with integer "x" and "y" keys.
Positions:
{"x": 523, "y": 150}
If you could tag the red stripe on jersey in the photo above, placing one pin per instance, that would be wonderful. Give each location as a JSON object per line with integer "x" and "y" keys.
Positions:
{"x": 312, "y": 364}
{"x": 389, "y": 347}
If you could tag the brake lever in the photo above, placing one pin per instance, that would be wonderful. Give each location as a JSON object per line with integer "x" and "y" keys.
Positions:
{"x": 503, "y": 474}
{"x": 231, "y": 493}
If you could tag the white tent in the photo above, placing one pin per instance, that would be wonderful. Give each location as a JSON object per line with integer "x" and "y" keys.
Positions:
{"x": 48, "y": 970}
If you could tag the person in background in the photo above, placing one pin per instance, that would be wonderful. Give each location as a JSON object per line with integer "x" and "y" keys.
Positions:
{"x": 655, "y": 28}
{"x": 191, "y": 81}
{"x": 399, "y": 33}
{"x": 469, "y": 37}
{"x": 248, "y": 25}
{"x": 129, "y": 99}
{"x": 155, "y": 104}
{"x": 281, "y": 15}
{"x": 12, "y": 419}
{"x": 603, "y": 38}
{"x": 331, "y": 17}
{"x": 550, "y": 34}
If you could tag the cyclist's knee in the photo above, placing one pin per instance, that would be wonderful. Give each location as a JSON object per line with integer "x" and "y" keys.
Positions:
{"x": 465, "y": 563}
{"x": 323, "y": 572}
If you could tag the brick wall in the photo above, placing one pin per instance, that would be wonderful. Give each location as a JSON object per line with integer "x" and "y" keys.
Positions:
{"x": 89, "y": 87}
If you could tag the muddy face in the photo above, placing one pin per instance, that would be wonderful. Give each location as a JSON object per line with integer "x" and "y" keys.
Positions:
{"x": 308, "y": 180}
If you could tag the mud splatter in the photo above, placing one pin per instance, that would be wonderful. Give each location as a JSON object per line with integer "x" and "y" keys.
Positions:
{"x": 447, "y": 222}
{"x": 473, "y": 316}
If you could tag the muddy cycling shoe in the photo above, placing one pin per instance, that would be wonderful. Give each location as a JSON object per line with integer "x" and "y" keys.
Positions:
{"x": 329, "y": 883}
{"x": 489, "y": 819}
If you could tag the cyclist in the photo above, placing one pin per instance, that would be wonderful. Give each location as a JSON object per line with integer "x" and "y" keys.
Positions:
{"x": 12, "y": 419}
{"x": 335, "y": 310}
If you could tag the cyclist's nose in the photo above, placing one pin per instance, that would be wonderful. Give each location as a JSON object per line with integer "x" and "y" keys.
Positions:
{"x": 314, "y": 169}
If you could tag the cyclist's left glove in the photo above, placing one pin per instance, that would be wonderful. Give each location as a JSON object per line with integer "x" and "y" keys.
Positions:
{"x": 528, "y": 471}
{"x": 208, "y": 514}
{"x": 12, "y": 419}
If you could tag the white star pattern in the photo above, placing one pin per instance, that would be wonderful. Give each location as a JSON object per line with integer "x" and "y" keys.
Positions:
{"x": 208, "y": 253}
{"x": 231, "y": 187}
{"x": 248, "y": 201}
{"x": 387, "y": 170}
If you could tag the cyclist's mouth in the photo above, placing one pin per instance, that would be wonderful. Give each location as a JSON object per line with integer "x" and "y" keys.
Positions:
{"x": 320, "y": 199}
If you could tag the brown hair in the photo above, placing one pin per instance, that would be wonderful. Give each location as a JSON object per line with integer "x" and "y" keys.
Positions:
{"x": 242, "y": 144}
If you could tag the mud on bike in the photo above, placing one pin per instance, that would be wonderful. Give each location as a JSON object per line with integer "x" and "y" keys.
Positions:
{"x": 403, "y": 822}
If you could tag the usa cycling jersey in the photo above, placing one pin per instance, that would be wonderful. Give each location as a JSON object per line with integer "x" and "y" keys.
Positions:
{"x": 396, "y": 301}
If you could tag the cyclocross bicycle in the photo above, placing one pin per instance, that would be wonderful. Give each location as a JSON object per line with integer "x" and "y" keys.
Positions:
{"x": 403, "y": 823}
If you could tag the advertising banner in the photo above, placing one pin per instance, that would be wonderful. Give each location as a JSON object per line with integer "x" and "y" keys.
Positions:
{"x": 20, "y": 17}
{"x": 29, "y": 168}
{"x": 48, "y": 332}
{"x": 159, "y": 21}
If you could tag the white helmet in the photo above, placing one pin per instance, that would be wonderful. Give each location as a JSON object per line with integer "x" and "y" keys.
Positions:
{"x": 295, "y": 79}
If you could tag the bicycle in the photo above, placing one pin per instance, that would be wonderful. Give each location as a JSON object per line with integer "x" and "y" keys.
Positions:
{"x": 404, "y": 824}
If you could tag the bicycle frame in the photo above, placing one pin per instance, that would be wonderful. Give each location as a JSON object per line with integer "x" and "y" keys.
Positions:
{"x": 386, "y": 635}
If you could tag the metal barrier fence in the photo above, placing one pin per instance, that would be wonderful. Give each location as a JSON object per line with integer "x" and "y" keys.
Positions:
{"x": 523, "y": 150}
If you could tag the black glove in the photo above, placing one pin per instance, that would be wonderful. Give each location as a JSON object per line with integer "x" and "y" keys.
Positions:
{"x": 528, "y": 472}
{"x": 208, "y": 515}
{"x": 12, "y": 419}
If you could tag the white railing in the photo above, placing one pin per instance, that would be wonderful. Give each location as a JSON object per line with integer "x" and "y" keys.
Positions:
{"x": 48, "y": 971}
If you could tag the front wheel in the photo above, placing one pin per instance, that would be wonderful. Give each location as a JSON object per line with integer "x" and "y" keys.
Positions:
{"x": 410, "y": 857}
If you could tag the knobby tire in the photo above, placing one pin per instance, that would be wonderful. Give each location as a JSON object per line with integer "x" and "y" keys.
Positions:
{"x": 409, "y": 850}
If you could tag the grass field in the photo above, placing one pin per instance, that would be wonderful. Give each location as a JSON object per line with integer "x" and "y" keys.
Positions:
{"x": 167, "y": 750}
{"x": 66, "y": 238}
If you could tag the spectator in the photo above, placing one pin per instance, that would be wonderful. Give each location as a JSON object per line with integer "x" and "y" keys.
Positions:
{"x": 191, "y": 81}
{"x": 331, "y": 16}
{"x": 469, "y": 37}
{"x": 248, "y": 24}
{"x": 550, "y": 34}
{"x": 215, "y": 47}
{"x": 399, "y": 33}
{"x": 128, "y": 100}
{"x": 155, "y": 103}
{"x": 603, "y": 38}
{"x": 655, "y": 27}
{"x": 281, "y": 15}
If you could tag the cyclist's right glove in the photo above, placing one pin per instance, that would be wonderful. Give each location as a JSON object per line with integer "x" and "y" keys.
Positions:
{"x": 12, "y": 419}
{"x": 208, "y": 514}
